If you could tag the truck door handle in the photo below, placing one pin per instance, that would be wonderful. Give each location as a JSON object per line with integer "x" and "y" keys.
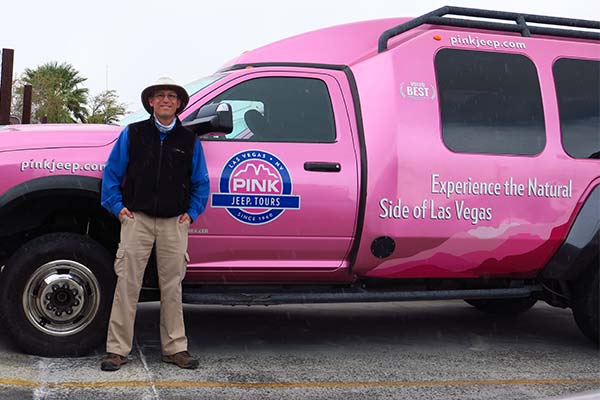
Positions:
{"x": 321, "y": 166}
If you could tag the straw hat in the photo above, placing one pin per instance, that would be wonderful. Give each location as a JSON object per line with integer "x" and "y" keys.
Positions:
{"x": 165, "y": 83}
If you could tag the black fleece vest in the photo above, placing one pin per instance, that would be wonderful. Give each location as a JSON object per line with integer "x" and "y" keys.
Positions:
{"x": 158, "y": 177}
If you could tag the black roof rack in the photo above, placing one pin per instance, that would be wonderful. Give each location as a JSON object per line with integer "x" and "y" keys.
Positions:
{"x": 437, "y": 18}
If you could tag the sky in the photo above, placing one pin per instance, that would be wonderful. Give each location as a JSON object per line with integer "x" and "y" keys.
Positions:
{"x": 126, "y": 45}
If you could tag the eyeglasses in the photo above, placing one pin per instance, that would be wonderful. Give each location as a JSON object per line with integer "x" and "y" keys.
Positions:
{"x": 162, "y": 95}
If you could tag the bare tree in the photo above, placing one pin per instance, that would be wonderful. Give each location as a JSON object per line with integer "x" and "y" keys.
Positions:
{"x": 105, "y": 108}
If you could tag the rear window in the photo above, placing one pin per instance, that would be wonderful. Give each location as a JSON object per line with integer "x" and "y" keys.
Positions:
{"x": 490, "y": 102}
{"x": 578, "y": 94}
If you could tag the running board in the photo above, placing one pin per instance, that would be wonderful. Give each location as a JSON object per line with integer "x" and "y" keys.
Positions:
{"x": 354, "y": 296}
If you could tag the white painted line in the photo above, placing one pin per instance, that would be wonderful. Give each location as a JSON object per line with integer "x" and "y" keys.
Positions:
{"x": 41, "y": 392}
{"x": 150, "y": 375}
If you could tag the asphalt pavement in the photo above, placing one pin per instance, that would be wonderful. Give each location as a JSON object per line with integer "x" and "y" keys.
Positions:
{"x": 420, "y": 350}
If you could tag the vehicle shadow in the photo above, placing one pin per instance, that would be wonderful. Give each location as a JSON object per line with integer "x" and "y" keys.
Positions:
{"x": 347, "y": 325}
{"x": 329, "y": 325}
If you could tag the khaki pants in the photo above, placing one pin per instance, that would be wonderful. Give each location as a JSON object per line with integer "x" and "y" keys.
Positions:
{"x": 138, "y": 235}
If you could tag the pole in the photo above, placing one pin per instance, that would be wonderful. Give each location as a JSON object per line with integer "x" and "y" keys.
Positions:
{"x": 6, "y": 85}
{"x": 26, "y": 119}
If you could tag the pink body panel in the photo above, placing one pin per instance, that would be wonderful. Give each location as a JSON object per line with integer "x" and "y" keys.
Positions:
{"x": 524, "y": 229}
{"x": 309, "y": 243}
{"x": 405, "y": 151}
{"x": 342, "y": 45}
{"x": 56, "y": 136}
{"x": 53, "y": 150}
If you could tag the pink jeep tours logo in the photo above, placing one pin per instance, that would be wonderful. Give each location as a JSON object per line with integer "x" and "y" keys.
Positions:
{"x": 255, "y": 187}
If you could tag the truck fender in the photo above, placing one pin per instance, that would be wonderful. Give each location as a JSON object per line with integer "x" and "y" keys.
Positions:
{"x": 581, "y": 247}
{"x": 24, "y": 207}
{"x": 27, "y": 206}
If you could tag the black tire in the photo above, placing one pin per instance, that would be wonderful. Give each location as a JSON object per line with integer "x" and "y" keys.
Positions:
{"x": 504, "y": 307}
{"x": 586, "y": 302}
{"x": 57, "y": 294}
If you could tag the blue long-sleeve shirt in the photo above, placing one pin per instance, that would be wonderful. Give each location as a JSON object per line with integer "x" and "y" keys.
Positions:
{"x": 116, "y": 167}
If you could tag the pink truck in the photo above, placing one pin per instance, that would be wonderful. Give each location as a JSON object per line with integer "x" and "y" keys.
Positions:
{"x": 443, "y": 157}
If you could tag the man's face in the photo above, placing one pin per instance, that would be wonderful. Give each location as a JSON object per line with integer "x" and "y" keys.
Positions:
{"x": 165, "y": 103}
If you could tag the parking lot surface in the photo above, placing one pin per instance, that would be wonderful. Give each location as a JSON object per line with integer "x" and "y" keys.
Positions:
{"x": 419, "y": 350}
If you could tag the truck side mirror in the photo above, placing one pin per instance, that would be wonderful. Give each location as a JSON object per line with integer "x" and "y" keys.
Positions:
{"x": 212, "y": 118}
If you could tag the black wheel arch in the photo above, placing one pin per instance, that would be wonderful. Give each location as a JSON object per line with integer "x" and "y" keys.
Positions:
{"x": 580, "y": 250}
{"x": 66, "y": 203}
{"x": 59, "y": 203}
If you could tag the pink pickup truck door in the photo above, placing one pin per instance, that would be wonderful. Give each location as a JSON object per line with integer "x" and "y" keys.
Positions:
{"x": 284, "y": 183}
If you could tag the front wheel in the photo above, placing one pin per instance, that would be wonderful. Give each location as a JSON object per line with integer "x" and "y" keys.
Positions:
{"x": 57, "y": 293}
{"x": 505, "y": 307}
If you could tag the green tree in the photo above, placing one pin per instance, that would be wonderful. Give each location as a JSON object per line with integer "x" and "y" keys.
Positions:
{"x": 57, "y": 92}
{"x": 105, "y": 108}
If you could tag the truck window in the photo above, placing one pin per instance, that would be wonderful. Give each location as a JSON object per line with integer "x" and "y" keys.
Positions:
{"x": 489, "y": 102}
{"x": 578, "y": 92}
{"x": 280, "y": 109}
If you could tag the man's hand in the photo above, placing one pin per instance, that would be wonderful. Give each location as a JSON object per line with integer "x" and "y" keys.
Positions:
{"x": 124, "y": 211}
{"x": 185, "y": 217}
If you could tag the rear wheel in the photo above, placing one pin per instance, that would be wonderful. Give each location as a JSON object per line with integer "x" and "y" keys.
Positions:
{"x": 504, "y": 307}
{"x": 57, "y": 293}
{"x": 586, "y": 302}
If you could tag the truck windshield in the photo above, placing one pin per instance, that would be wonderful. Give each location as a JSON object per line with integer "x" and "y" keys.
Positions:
{"x": 192, "y": 88}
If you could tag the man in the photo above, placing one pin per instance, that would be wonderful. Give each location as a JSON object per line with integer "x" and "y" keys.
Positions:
{"x": 156, "y": 182}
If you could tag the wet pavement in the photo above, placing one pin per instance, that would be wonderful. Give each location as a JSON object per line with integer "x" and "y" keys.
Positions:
{"x": 420, "y": 350}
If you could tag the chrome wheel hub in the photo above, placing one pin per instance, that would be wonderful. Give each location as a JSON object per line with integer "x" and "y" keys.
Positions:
{"x": 61, "y": 298}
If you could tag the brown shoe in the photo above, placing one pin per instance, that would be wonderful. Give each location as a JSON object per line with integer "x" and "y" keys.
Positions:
{"x": 183, "y": 359}
{"x": 112, "y": 362}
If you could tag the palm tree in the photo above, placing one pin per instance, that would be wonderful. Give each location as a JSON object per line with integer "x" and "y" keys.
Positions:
{"x": 56, "y": 92}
